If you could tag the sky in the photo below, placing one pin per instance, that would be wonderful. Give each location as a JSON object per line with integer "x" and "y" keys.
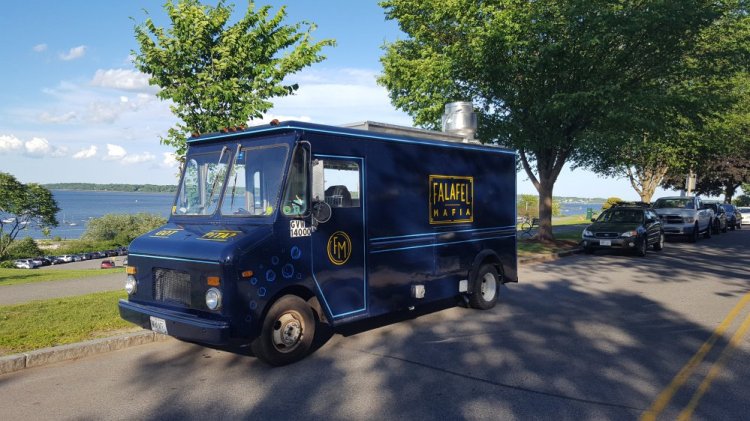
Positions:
{"x": 74, "y": 109}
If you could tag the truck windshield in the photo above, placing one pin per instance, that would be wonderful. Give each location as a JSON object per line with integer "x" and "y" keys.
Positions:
{"x": 255, "y": 181}
{"x": 674, "y": 203}
{"x": 202, "y": 182}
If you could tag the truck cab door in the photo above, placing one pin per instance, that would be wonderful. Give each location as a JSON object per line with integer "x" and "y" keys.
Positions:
{"x": 338, "y": 245}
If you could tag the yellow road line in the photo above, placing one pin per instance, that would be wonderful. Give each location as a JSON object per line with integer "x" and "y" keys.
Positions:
{"x": 687, "y": 413}
{"x": 682, "y": 376}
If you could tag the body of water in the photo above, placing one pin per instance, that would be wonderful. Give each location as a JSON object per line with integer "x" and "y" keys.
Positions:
{"x": 78, "y": 207}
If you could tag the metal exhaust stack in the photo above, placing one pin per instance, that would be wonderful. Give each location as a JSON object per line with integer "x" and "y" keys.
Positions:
{"x": 459, "y": 119}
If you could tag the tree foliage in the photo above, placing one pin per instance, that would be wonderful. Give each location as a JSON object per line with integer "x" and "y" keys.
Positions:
{"x": 611, "y": 201}
{"x": 528, "y": 205}
{"x": 218, "y": 75}
{"x": 541, "y": 74}
{"x": 23, "y": 206}
{"x": 23, "y": 249}
{"x": 121, "y": 229}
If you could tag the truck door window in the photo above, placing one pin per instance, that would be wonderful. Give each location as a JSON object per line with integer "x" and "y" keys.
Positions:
{"x": 341, "y": 183}
{"x": 202, "y": 184}
{"x": 254, "y": 181}
{"x": 295, "y": 198}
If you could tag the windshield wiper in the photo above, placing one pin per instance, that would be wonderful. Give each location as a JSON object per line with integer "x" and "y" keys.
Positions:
{"x": 216, "y": 178}
{"x": 234, "y": 182}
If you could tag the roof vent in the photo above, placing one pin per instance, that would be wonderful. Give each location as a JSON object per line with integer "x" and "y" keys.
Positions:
{"x": 459, "y": 119}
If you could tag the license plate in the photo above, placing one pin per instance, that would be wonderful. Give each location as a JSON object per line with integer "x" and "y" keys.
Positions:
{"x": 158, "y": 325}
{"x": 605, "y": 242}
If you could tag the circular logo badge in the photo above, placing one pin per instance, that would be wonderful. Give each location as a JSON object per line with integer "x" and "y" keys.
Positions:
{"x": 339, "y": 248}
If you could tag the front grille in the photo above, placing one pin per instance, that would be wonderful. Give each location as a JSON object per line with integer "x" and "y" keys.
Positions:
{"x": 672, "y": 219}
{"x": 606, "y": 235}
{"x": 171, "y": 286}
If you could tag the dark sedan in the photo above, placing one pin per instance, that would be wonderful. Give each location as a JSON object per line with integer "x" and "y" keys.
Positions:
{"x": 626, "y": 228}
{"x": 734, "y": 217}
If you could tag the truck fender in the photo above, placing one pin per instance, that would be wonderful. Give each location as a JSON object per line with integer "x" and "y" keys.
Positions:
{"x": 485, "y": 257}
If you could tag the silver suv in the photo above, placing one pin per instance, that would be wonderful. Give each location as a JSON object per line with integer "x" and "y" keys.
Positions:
{"x": 685, "y": 216}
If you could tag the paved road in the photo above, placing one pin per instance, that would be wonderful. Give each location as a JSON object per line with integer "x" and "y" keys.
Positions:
{"x": 17, "y": 294}
{"x": 585, "y": 337}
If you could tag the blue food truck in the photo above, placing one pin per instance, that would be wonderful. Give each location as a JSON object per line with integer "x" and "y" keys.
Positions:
{"x": 277, "y": 228}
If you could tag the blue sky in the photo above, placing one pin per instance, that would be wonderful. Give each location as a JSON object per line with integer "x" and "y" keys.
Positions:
{"x": 74, "y": 109}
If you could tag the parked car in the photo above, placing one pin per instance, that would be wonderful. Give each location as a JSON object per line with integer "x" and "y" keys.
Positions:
{"x": 734, "y": 217}
{"x": 625, "y": 227}
{"x": 25, "y": 264}
{"x": 685, "y": 216}
{"x": 108, "y": 263}
{"x": 719, "y": 223}
{"x": 67, "y": 258}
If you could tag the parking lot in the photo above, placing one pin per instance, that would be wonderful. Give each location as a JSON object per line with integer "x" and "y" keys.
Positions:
{"x": 584, "y": 337}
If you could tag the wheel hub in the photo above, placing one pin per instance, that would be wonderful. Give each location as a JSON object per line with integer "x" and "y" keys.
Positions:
{"x": 287, "y": 332}
{"x": 489, "y": 287}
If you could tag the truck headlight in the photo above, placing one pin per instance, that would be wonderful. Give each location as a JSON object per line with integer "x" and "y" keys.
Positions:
{"x": 688, "y": 219}
{"x": 628, "y": 234}
{"x": 587, "y": 233}
{"x": 213, "y": 299}
{"x": 131, "y": 285}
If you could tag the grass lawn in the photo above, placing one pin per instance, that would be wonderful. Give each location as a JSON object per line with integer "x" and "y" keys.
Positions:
{"x": 42, "y": 324}
{"x": 27, "y": 276}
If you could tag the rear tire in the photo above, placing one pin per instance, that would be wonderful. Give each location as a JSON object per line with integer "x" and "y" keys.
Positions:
{"x": 486, "y": 288}
{"x": 659, "y": 244}
{"x": 707, "y": 233}
{"x": 287, "y": 332}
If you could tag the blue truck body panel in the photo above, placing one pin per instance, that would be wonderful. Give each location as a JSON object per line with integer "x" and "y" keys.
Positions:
{"x": 427, "y": 213}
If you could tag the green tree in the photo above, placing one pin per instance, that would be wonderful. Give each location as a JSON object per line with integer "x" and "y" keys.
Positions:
{"x": 219, "y": 76}
{"x": 528, "y": 205}
{"x": 121, "y": 229}
{"x": 23, "y": 206}
{"x": 540, "y": 73}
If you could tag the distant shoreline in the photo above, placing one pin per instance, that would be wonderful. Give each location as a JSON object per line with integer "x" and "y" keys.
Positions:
{"x": 111, "y": 187}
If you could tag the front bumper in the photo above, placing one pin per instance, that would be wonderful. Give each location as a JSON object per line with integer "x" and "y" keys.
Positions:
{"x": 678, "y": 229}
{"x": 180, "y": 325}
{"x": 614, "y": 243}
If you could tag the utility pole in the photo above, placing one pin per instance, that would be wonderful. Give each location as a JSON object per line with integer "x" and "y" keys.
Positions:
{"x": 690, "y": 183}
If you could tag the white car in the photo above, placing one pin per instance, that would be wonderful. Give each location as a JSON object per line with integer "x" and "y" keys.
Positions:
{"x": 67, "y": 258}
{"x": 25, "y": 264}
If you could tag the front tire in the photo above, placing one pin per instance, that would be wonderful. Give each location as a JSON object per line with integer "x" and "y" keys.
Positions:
{"x": 486, "y": 288}
{"x": 707, "y": 233}
{"x": 287, "y": 332}
{"x": 694, "y": 236}
{"x": 642, "y": 247}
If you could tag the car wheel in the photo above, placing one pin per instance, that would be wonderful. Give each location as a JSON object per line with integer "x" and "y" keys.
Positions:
{"x": 588, "y": 250}
{"x": 485, "y": 288}
{"x": 659, "y": 244}
{"x": 287, "y": 332}
{"x": 707, "y": 233}
{"x": 694, "y": 236}
{"x": 642, "y": 247}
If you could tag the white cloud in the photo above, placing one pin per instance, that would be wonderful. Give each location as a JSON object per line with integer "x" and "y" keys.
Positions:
{"x": 169, "y": 160}
{"x": 73, "y": 53}
{"x": 39, "y": 147}
{"x": 46, "y": 117}
{"x": 138, "y": 158}
{"x": 9, "y": 143}
{"x": 115, "y": 152}
{"x": 86, "y": 153}
{"x": 124, "y": 79}
{"x": 40, "y": 48}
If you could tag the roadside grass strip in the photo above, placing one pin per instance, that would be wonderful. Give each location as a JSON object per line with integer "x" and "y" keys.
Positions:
{"x": 664, "y": 398}
{"x": 42, "y": 324}
{"x": 27, "y": 276}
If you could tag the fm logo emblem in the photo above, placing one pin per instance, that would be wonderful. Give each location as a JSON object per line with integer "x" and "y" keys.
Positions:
{"x": 339, "y": 248}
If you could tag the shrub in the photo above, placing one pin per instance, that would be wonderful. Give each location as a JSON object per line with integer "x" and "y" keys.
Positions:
{"x": 8, "y": 264}
{"x": 121, "y": 229}
{"x": 23, "y": 249}
{"x": 611, "y": 202}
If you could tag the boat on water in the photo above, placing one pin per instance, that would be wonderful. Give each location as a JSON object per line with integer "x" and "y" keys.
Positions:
{"x": 9, "y": 220}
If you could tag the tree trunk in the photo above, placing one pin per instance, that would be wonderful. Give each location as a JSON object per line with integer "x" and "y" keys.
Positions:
{"x": 729, "y": 191}
{"x": 545, "y": 211}
{"x": 646, "y": 180}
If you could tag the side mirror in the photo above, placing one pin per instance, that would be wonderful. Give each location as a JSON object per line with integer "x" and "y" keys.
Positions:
{"x": 321, "y": 212}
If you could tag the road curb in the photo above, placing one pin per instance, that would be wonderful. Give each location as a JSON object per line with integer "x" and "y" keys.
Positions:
{"x": 549, "y": 257}
{"x": 41, "y": 357}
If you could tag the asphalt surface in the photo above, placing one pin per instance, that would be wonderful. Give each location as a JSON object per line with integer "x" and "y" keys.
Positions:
{"x": 17, "y": 294}
{"x": 584, "y": 337}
